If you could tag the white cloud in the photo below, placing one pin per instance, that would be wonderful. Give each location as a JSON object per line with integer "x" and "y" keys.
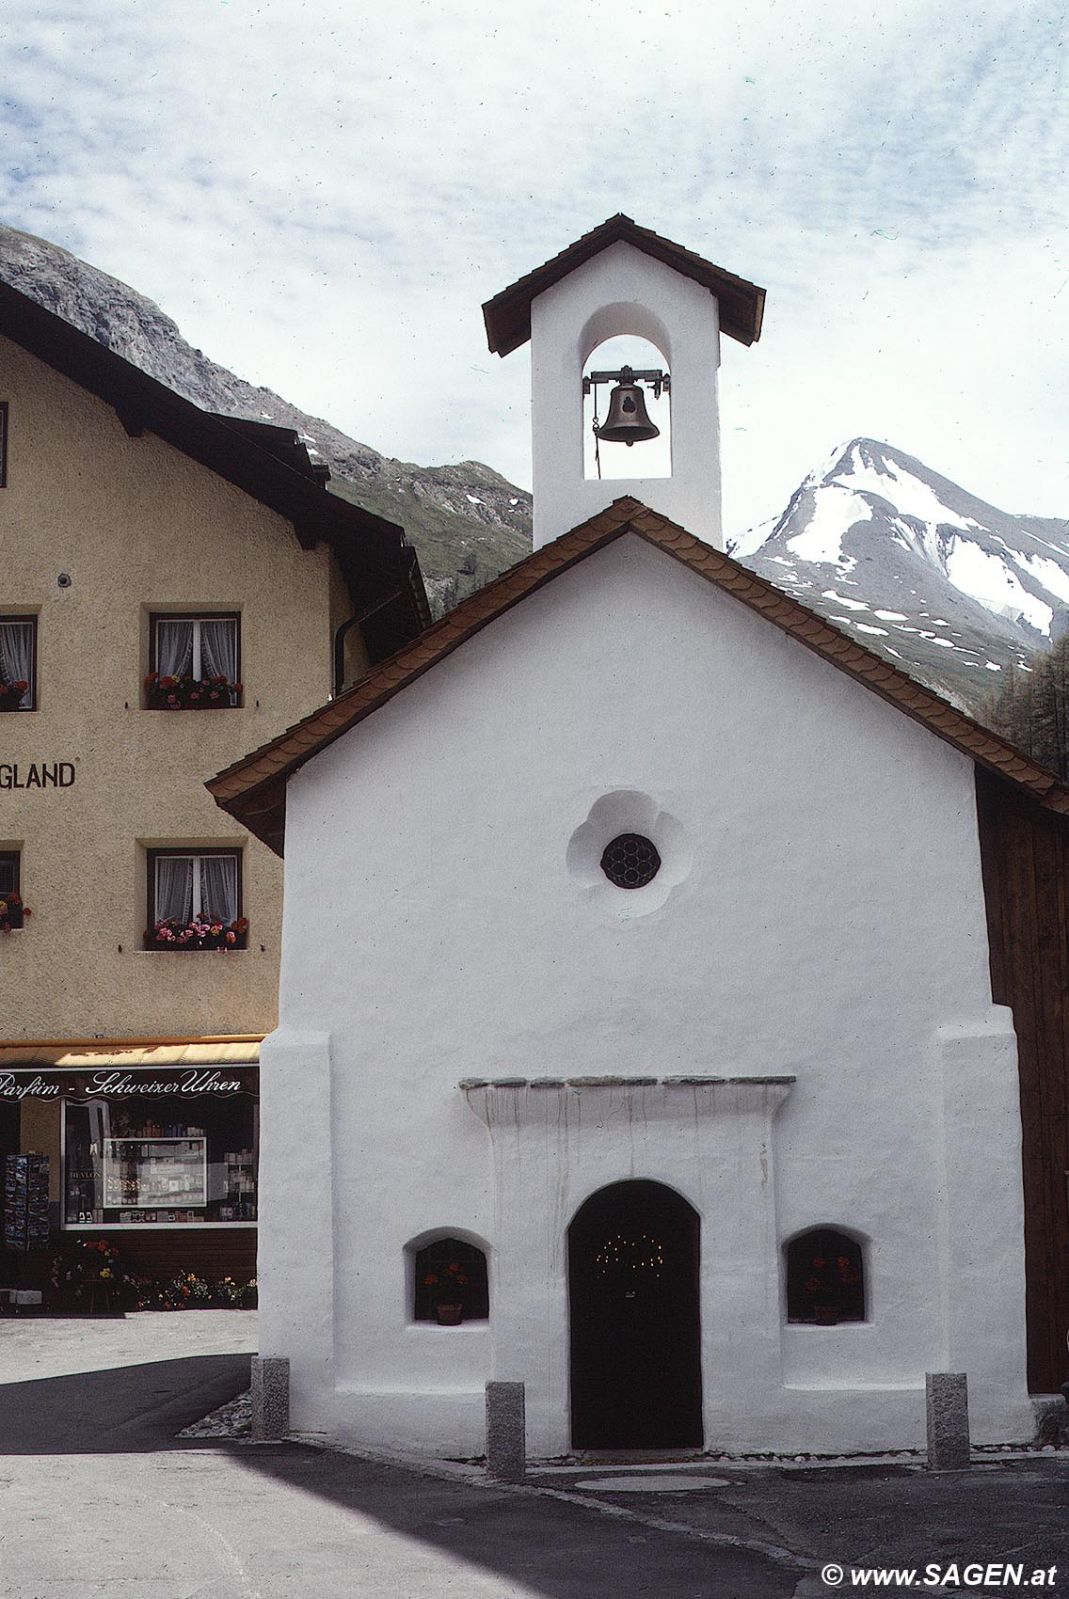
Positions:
{"x": 322, "y": 200}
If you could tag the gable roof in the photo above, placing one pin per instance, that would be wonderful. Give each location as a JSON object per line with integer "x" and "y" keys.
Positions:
{"x": 254, "y": 788}
{"x": 268, "y": 463}
{"x": 508, "y": 314}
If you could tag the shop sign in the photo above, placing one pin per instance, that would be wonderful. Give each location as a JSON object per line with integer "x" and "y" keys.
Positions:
{"x": 124, "y": 1084}
{"x": 197, "y": 1082}
{"x": 39, "y": 774}
{"x": 33, "y": 1088}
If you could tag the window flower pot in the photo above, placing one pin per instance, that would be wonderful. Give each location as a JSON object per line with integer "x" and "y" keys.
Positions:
{"x": 12, "y": 695}
{"x": 205, "y": 933}
{"x": 190, "y": 693}
{"x": 449, "y": 1315}
{"x": 12, "y": 912}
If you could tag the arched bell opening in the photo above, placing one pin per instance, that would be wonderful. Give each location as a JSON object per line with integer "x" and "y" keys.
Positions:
{"x": 635, "y": 1320}
{"x": 627, "y": 417}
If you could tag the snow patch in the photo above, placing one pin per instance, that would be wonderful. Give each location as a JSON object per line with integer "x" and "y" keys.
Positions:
{"x": 992, "y": 666}
{"x": 1051, "y": 576}
{"x": 474, "y": 499}
{"x": 843, "y": 599}
{"x": 988, "y": 580}
{"x": 911, "y": 497}
{"x": 863, "y": 627}
{"x": 890, "y": 616}
{"x": 835, "y": 512}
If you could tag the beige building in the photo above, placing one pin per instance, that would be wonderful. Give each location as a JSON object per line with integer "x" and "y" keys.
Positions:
{"x": 175, "y": 589}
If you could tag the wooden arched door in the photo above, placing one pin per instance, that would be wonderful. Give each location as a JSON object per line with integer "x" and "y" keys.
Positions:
{"x": 633, "y": 1259}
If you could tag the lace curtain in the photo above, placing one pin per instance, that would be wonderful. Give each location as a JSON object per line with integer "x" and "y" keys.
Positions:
{"x": 16, "y": 657}
{"x": 219, "y": 649}
{"x": 174, "y": 647}
{"x": 219, "y": 887}
{"x": 174, "y": 888}
{"x": 189, "y": 885}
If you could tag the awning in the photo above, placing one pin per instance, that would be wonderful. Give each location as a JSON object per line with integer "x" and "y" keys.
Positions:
{"x": 128, "y": 1053}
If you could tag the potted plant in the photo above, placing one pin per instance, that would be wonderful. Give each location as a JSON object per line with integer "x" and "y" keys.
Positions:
{"x": 448, "y": 1286}
{"x": 168, "y": 693}
{"x": 830, "y": 1277}
{"x": 11, "y": 694}
{"x": 89, "y": 1275}
{"x": 12, "y": 912}
{"x": 203, "y": 932}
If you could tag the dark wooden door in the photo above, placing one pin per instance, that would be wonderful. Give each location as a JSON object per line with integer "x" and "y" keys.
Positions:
{"x": 633, "y": 1256}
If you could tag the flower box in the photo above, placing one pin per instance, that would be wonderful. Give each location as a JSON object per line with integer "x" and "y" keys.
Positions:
{"x": 204, "y": 932}
{"x": 11, "y": 694}
{"x": 12, "y": 912}
{"x": 190, "y": 693}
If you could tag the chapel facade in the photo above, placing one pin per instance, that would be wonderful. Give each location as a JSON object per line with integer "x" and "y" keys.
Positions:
{"x": 637, "y": 977}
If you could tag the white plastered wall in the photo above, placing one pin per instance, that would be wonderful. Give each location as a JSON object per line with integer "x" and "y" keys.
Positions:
{"x": 622, "y": 291}
{"x": 824, "y": 921}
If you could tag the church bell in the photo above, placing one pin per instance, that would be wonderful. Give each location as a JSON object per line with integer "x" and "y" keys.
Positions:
{"x": 628, "y": 421}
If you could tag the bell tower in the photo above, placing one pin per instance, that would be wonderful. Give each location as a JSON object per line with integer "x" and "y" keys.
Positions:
{"x": 618, "y": 281}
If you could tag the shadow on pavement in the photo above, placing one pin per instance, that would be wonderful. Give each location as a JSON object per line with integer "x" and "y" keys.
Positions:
{"x": 544, "y": 1547}
{"x": 121, "y": 1410}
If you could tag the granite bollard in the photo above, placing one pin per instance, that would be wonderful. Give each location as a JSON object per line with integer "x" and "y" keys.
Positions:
{"x": 270, "y": 1396}
{"x": 947, "y": 1396}
{"x": 506, "y": 1429}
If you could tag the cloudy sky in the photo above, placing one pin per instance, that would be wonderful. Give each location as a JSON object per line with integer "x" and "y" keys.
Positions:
{"x": 323, "y": 195}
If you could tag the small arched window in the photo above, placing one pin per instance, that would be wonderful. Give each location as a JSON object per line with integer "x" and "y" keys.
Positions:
{"x": 450, "y": 1282}
{"x": 825, "y": 1277}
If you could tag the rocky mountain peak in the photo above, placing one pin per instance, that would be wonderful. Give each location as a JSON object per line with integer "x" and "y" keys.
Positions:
{"x": 950, "y": 588}
{"x": 466, "y": 521}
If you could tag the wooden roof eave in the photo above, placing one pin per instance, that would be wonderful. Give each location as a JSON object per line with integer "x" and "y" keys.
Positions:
{"x": 282, "y": 756}
{"x": 372, "y": 551}
{"x": 507, "y": 315}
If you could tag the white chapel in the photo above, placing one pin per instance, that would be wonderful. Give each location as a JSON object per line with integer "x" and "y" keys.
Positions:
{"x": 637, "y": 1035}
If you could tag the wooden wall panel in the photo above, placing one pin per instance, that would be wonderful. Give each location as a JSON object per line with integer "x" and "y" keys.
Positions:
{"x": 1025, "y": 852}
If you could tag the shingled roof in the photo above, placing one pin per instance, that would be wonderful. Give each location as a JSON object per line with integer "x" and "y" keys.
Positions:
{"x": 254, "y": 789}
{"x": 268, "y": 463}
{"x": 508, "y": 314}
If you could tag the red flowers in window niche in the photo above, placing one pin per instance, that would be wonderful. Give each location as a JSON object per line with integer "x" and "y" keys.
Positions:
{"x": 203, "y": 932}
{"x": 12, "y": 912}
{"x": 447, "y": 1287}
{"x": 448, "y": 1282}
{"x": 11, "y": 694}
{"x": 190, "y": 693}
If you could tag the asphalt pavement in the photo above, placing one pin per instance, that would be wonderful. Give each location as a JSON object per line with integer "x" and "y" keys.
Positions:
{"x": 100, "y": 1500}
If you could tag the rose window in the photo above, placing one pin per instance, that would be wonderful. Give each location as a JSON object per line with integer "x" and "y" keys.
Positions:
{"x": 631, "y": 861}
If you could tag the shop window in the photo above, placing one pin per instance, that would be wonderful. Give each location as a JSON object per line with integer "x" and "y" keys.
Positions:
{"x": 194, "y": 900}
{"x": 12, "y": 909}
{"x": 161, "y": 1160}
{"x": 195, "y": 663}
{"x": 825, "y": 1277}
{"x": 450, "y": 1283}
{"x": 18, "y": 663}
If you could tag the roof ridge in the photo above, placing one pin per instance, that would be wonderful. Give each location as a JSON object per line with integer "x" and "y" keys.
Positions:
{"x": 507, "y": 314}
{"x": 264, "y": 772}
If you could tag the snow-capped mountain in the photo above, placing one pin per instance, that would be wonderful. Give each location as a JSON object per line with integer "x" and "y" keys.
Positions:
{"x": 944, "y": 585}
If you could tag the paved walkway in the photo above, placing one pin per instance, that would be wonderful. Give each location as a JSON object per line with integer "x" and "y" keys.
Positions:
{"x": 100, "y": 1500}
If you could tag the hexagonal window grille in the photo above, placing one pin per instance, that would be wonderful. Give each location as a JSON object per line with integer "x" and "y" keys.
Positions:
{"x": 631, "y": 861}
